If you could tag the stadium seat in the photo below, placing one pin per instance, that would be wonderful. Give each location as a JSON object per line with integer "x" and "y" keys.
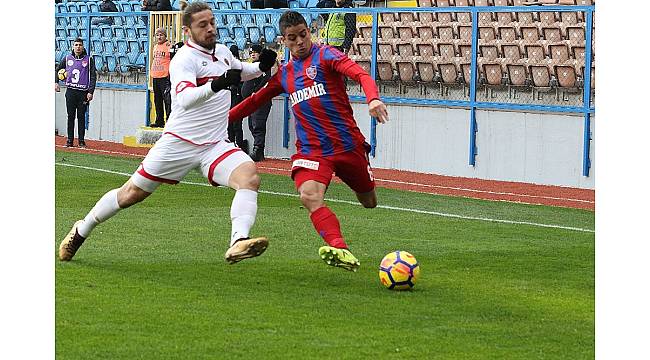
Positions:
{"x": 535, "y": 52}
{"x": 109, "y": 47}
{"x": 427, "y": 18}
{"x": 142, "y": 32}
{"x": 408, "y": 17}
{"x": 425, "y": 3}
{"x": 111, "y": 63}
{"x": 60, "y": 33}
{"x": 254, "y": 33}
{"x": 465, "y": 32}
{"x": 425, "y": 68}
{"x": 424, "y": 32}
{"x": 362, "y": 61}
{"x": 385, "y": 71}
{"x": 93, "y": 7}
{"x": 493, "y": 73}
{"x": 486, "y": 33}
{"x": 96, "y": 46}
{"x": 223, "y": 32}
{"x": 404, "y": 32}
{"x": 405, "y": 49}
{"x": 99, "y": 62}
{"x": 72, "y": 33}
{"x": 387, "y": 18}
{"x": 72, "y": 6}
{"x": 489, "y": 52}
{"x": 575, "y": 34}
{"x": 131, "y": 33}
{"x": 133, "y": 45}
{"x": 553, "y": 34}
{"x": 541, "y": 75}
{"x": 507, "y": 33}
{"x": 106, "y": 32}
{"x": 578, "y": 53}
{"x": 424, "y": 49}
{"x": 61, "y": 9}
{"x": 445, "y": 32}
{"x": 566, "y": 76}
{"x": 247, "y": 19}
{"x": 364, "y": 47}
{"x": 269, "y": 33}
{"x": 294, "y": 4}
{"x": 405, "y": 70}
{"x": 122, "y": 63}
{"x": 449, "y": 73}
{"x": 511, "y": 52}
{"x": 547, "y": 18}
{"x": 444, "y": 17}
{"x": 559, "y": 52}
{"x": 464, "y": 18}
{"x": 222, "y": 5}
{"x": 386, "y": 32}
{"x": 529, "y": 34}
{"x": 517, "y": 75}
{"x": 446, "y": 50}
{"x": 119, "y": 32}
{"x": 385, "y": 50}
{"x": 465, "y": 51}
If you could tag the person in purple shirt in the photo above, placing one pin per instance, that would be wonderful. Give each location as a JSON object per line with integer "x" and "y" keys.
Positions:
{"x": 80, "y": 80}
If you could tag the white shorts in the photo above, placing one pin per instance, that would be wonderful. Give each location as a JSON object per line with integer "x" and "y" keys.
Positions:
{"x": 171, "y": 158}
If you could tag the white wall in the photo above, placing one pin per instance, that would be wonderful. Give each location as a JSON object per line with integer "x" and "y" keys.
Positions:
{"x": 538, "y": 148}
{"x": 113, "y": 114}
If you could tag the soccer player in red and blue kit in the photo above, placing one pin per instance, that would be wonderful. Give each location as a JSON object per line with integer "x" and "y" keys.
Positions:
{"x": 328, "y": 139}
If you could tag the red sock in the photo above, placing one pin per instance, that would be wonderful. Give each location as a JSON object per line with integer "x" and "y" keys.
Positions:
{"x": 328, "y": 227}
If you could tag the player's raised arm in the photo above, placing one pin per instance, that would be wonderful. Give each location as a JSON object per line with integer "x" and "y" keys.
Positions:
{"x": 272, "y": 89}
{"x": 344, "y": 65}
{"x": 188, "y": 94}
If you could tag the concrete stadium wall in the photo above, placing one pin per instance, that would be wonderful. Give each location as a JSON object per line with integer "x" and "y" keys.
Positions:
{"x": 113, "y": 114}
{"x": 539, "y": 148}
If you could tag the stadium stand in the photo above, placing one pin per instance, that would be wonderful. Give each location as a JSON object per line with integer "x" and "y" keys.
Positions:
{"x": 540, "y": 49}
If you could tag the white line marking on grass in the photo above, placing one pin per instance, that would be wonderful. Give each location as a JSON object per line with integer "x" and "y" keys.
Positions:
{"x": 458, "y": 188}
{"x": 418, "y": 211}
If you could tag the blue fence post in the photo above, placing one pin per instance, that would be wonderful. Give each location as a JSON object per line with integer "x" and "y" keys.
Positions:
{"x": 373, "y": 71}
{"x": 472, "y": 90}
{"x": 285, "y": 132}
{"x": 586, "y": 99}
{"x": 146, "y": 64}
{"x": 87, "y": 115}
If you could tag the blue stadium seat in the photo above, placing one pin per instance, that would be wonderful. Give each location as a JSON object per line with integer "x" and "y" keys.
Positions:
{"x": 138, "y": 6}
{"x": 142, "y": 31}
{"x": 96, "y": 46}
{"x": 134, "y": 46}
{"x": 131, "y": 33}
{"x": 223, "y": 32}
{"x": 228, "y": 43}
{"x": 72, "y": 33}
{"x": 294, "y": 4}
{"x": 126, "y": 6}
{"x": 254, "y": 33}
{"x": 62, "y": 44}
{"x": 93, "y": 7}
{"x": 143, "y": 44}
{"x": 212, "y": 3}
{"x": 122, "y": 47}
{"x": 61, "y": 33}
{"x": 232, "y": 19}
{"x": 111, "y": 62}
{"x": 61, "y": 9}
{"x": 109, "y": 47}
{"x": 99, "y": 62}
{"x": 142, "y": 60}
{"x": 83, "y": 7}
{"x": 95, "y": 33}
{"x": 123, "y": 63}
{"x": 223, "y": 5}
{"x": 119, "y": 32}
{"x": 246, "y": 19}
{"x": 133, "y": 56}
{"x": 132, "y": 21}
{"x": 269, "y": 33}
{"x": 59, "y": 55}
{"x": 236, "y": 5}
{"x": 241, "y": 42}
{"x": 219, "y": 19}
{"x": 61, "y": 22}
{"x": 72, "y": 7}
{"x": 106, "y": 32}
{"x": 261, "y": 19}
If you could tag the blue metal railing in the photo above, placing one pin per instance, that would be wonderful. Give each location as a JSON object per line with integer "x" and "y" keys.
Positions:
{"x": 472, "y": 104}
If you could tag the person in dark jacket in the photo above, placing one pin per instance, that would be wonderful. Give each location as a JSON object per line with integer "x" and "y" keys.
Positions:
{"x": 77, "y": 70}
{"x": 156, "y": 5}
{"x": 257, "y": 120}
{"x": 340, "y": 27}
{"x": 105, "y": 6}
{"x": 235, "y": 131}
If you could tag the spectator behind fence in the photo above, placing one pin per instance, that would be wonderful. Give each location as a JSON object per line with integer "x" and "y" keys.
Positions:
{"x": 269, "y": 4}
{"x": 340, "y": 27}
{"x": 80, "y": 77}
{"x": 235, "y": 131}
{"x": 157, "y": 5}
{"x": 160, "y": 78}
{"x": 257, "y": 120}
{"x": 105, "y": 6}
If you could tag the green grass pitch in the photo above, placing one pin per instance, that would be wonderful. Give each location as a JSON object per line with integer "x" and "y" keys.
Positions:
{"x": 151, "y": 283}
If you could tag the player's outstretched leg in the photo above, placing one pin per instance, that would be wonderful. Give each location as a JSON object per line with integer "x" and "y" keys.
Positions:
{"x": 339, "y": 258}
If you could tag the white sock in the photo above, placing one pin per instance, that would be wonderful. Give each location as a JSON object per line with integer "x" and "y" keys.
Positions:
{"x": 242, "y": 213}
{"x": 105, "y": 208}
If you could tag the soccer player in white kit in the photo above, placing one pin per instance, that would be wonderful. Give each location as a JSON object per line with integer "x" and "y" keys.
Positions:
{"x": 195, "y": 136}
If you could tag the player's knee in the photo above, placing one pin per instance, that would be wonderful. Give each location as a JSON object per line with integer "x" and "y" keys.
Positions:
{"x": 311, "y": 198}
{"x": 130, "y": 194}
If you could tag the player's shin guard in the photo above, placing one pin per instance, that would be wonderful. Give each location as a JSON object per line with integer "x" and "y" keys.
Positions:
{"x": 328, "y": 227}
{"x": 242, "y": 214}
{"x": 105, "y": 208}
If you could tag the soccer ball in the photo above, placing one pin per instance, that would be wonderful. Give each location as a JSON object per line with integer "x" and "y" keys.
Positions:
{"x": 399, "y": 270}
{"x": 62, "y": 74}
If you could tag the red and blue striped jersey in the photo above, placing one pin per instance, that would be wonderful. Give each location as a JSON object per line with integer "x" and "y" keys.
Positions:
{"x": 325, "y": 125}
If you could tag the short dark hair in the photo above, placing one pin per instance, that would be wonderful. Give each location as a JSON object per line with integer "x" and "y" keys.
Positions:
{"x": 78, "y": 40}
{"x": 291, "y": 18}
{"x": 193, "y": 8}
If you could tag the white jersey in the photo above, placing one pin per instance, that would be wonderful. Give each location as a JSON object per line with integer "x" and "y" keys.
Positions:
{"x": 199, "y": 115}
